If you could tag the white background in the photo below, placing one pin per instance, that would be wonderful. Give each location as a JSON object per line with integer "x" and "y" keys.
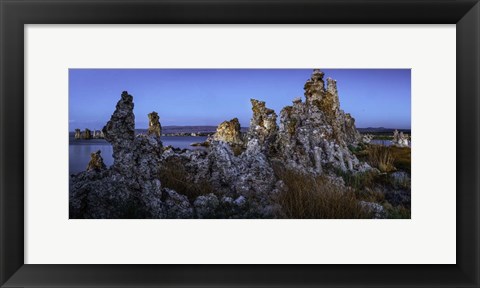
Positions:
{"x": 429, "y": 237}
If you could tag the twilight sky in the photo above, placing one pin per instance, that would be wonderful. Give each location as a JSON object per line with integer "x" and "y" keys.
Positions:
{"x": 374, "y": 97}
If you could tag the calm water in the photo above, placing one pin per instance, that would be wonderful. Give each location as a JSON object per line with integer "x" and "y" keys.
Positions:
{"x": 384, "y": 142}
{"x": 80, "y": 150}
{"x": 381, "y": 142}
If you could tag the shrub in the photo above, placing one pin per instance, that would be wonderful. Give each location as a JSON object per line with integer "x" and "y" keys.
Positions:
{"x": 381, "y": 157}
{"x": 397, "y": 212}
{"x": 403, "y": 158}
{"x": 357, "y": 180}
{"x": 237, "y": 150}
{"x": 309, "y": 197}
{"x": 173, "y": 175}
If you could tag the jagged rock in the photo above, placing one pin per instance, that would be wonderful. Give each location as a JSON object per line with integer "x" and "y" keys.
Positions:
{"x": 316, "y": 134}
{"x": 134, "y": 173}
{"x": 229, "y": 132}
{"x": 240, "y": 201}
{"x": 263, "y": 125}
{"x": 230, "y": 176}
{"x": 352, "y": 136}
{"x": 367, "y": 138}
{"x": 120, "y": 132}
{"x": 147, "y": 153}
{"x": 223, "y": 166}
{"x": 206, "y": 206}
{"x": 149, "y": 196}
{"x": 154, "y": 127}
{"x": 376, "y": 210}
{"x": 399, "y": 139}
{"x": 249, "y": 175}
{"x": 315, "y": 87}
{"x": 96, "y": 162}
{"x": 97, "y": 134}
{"x": 87, "y": 134}
{"x": 100, "y": 195}
{"x": 78, "y": 134}
{"x": 177, "y": 206}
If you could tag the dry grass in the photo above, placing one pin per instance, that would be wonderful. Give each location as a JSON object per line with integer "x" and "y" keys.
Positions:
{"x": 402, "y": 158}
{"x": 397, "y": 212}
{"x": 381, "y": 157}
{"x": 237, "y": 150}
{"x": 173, "y": 175}
{"x": 358, "y": 180}
{"x": 308, "y": 197}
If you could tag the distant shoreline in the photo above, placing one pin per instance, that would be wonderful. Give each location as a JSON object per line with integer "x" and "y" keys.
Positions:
{"x": 177, "y": 130}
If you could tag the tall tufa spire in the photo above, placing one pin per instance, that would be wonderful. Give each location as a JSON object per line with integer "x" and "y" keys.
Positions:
{"x": 315, "y": 86}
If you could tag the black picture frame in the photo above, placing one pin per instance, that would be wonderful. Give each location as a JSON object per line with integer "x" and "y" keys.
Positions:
{"x": 16, "y": 13}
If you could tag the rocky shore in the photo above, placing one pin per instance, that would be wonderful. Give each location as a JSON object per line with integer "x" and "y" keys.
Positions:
{"x": 240, "y": 175}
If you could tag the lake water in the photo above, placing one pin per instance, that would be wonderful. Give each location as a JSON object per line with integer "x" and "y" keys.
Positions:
{"x": 384, "y": 142}
{"x": 80, "y": 150}
{"x": 381, "y": 142}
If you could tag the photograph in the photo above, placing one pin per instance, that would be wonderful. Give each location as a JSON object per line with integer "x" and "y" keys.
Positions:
{"x": 239, "y": 143}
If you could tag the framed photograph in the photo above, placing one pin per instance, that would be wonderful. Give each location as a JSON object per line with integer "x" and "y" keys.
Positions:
{"x": 255, "y": 143}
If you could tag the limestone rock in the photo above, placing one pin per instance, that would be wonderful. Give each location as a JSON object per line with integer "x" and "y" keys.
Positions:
{"x": 100, "y": 195}
{"x": 352, "y": 136}
{"x": 263, "y": 125}
{"x": 367, "y": 138}
{"x": 177, "y": 206}
{"x": 130, "y": 188}
{"x": 78, "y": 134}
{"x": 315, "y": 134}
{"x": 400, "y": 139}
{"x": 154, "y": 127}
{"x": 147, "y": 152}
{"x": 87, "y": 134}
{"x": 120, "y": 132}
{"x": 377, "y": 211}
{"x": 98, "y": 134}
{"x": 206, "y": 206}
{"x": 96, "y": 162}
{"x": 229, "y": 132}
{"x": 315, "y": 87}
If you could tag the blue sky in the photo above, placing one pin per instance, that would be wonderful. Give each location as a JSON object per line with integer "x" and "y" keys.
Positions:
{"x": 374, "y": 97}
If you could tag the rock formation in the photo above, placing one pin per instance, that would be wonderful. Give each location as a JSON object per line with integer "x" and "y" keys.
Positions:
{"x": 97, "y": 134}
{"x": 316, "y": 134}
{"x": 229, "y": 132}
{"x": 399, "y": 139}
{"x": 367, "y": 138}
{"x": 154, "y": 127}
{"x": 130, "y": 188}
{"x": 120, "y": 132}
{"x": 87, "y": 134}
{"x": 96, "y": 162}
{"x": 263, "y": 125}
